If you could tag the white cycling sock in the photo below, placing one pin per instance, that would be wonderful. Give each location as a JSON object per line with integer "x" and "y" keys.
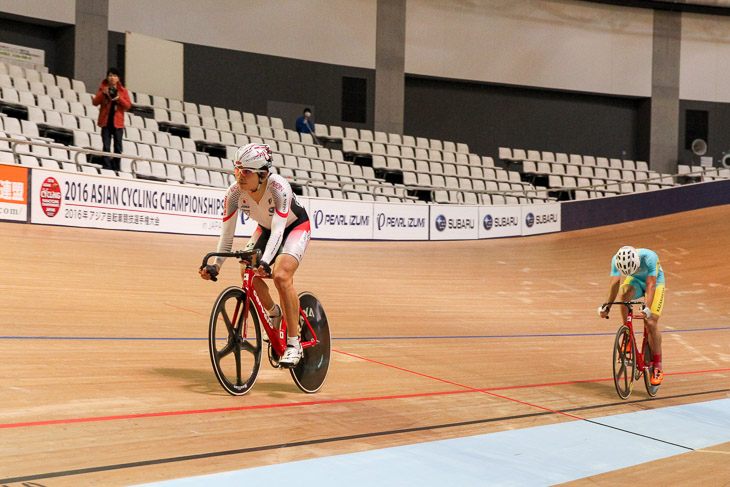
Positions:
{"x": 293, "y": 341}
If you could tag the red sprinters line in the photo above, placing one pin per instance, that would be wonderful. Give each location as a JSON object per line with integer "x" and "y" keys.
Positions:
{"x": 483, "y": 391}
{"x": 445, "y": 381}
{"x": 314, "y": 403}
{"x": 185, "y": 309}
{"x": 222, "y": 410}
{"x": 404, "y": 370}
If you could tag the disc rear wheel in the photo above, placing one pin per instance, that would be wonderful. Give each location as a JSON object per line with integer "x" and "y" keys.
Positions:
{"x": 311, "y": 371}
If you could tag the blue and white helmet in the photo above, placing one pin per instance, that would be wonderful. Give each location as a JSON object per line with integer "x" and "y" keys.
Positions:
{"x": 627, "y": 260}
{"x": 254, "y": 157}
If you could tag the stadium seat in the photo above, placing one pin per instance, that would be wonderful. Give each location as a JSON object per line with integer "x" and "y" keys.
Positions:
{"x": 205, "y": 111}
{"x": 234, "y": 116}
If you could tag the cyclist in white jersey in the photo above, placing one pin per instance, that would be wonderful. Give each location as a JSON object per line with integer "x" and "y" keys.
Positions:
{"x": 282, "y": 236}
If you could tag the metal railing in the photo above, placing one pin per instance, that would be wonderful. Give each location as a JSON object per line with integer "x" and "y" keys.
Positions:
{"x": 344, "y": 186}
{"x": 14, "y": 143}
{"x": 296, "y": 180}
{"x": 658, "y": 179}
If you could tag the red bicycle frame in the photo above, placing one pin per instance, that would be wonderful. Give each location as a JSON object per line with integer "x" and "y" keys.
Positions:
{"x": 640, "y": 363}
{"x": 277, "y": 338}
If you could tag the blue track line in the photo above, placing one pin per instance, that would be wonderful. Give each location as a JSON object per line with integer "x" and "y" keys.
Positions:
{"x": 445, "y": 337}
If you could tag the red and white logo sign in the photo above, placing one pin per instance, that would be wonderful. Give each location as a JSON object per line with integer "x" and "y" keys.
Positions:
{"x": 50, "y": 197}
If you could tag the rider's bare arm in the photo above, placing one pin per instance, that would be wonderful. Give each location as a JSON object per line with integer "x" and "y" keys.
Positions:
{"x": 230, "y": 210}
{"x": 282, "y": 197}
{"x": 613, "y": 288}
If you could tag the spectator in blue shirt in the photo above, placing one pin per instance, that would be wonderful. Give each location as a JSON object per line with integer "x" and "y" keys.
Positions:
{"x": 304, "y": 123}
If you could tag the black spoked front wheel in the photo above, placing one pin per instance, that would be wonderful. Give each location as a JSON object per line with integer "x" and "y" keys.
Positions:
{"x": 311, "y": 371}
{"x": 234, "y": 342}
{"x": 650, "y": 389}
{"x": 624, "y": 362}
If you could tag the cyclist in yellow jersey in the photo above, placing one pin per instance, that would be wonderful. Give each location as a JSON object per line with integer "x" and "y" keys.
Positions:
{"x": 644, "y": 277}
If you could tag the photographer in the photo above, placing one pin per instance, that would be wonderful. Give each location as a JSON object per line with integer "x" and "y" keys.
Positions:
{"x": 113, "y": 100}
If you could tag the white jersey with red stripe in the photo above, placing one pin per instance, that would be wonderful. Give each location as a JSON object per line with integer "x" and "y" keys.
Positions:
{"x": 277, "y": 210}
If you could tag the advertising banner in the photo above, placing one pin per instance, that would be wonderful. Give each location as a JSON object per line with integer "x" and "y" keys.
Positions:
{"x": 396, "y": 221}
{"x": 454, "y": 222}
{"x": 338, "y": 219}
{"x": 543, "y": 218}
{"x": 22, "y": 56}
{"x": 13, "y": 193}
{"x": 81, "y": 200}
{"x": 500, "y": 221}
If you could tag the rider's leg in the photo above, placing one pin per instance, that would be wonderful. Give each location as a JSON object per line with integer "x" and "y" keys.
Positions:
{"x": 655, "y": 338}
{"x": 652, "y": 326}
{"x": 258, "y": 241}
{"x": 283, "y": 273}
{"x": 262, "y": 289}
{"x": 625, "y": 293}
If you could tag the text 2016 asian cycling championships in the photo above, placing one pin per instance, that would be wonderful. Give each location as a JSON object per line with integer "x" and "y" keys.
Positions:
{"x": 168, "y": 200}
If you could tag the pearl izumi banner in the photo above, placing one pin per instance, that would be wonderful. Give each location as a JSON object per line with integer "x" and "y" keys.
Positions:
{"x": 396, "y": 221}
{"x": 341, "y": 220}
{"x": 79, "y": 200}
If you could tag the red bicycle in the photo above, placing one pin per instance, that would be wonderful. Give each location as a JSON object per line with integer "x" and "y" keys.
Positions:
{"x": 627, "y": 363}
{"x": 234, "y": 336}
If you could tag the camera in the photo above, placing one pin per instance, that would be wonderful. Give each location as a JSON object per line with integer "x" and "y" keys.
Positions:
{"x": 112, "y": 92}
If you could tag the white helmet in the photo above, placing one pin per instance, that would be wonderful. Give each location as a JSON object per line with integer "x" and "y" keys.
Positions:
{"x": 627, "y": 260}
{"x": 254, "y": 157}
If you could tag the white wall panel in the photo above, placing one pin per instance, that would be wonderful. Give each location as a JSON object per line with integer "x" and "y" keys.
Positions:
{"x": 154, "y": 66}
{"x": 546, "y": 43}
{"x": 705, "y": 59}
{"x": 329, "y": 31}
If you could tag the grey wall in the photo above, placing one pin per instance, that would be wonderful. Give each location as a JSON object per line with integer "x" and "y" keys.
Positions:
{"x": 90, "y": 40}
{"x": 665, "y": 91}
{"x": 488, "y": 116}
{"x": 56, "y": 39}
{"x": 390, "y": 54}
{"x": 249, "y": 82}
{"x": 718, "y": 130}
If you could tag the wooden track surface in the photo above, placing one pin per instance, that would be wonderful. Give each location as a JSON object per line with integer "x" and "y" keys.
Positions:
{"x": 140, "y": 295}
